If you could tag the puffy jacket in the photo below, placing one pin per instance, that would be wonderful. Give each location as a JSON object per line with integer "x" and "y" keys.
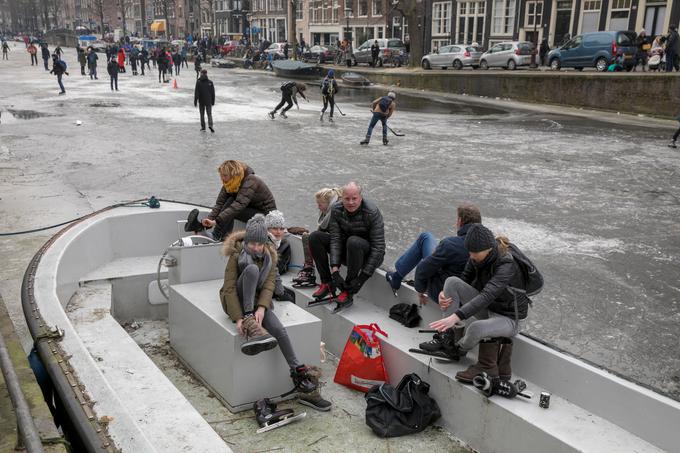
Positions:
{"x": 92, "y": 59}
{"x": 228, "y": 293}
{"x": 253, "y": 192}
{"x": 492, "y": 278}
{"x": 447, "y": 260}
{"x": 204, "y": 91}
{"x": 367, "y": 223}
{"x": 112, "y": 68}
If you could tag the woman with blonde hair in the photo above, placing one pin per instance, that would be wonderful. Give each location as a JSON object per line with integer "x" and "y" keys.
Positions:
{"x": 243, "y": 194}
{"x": 325, "y": 198}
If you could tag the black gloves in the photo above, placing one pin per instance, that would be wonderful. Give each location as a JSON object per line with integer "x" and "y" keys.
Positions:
{"x": 337, "y": 281}
{"x": 356, "y": 283}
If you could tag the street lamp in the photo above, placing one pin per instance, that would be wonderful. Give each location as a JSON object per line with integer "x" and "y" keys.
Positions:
{"x": 348, "y": 11}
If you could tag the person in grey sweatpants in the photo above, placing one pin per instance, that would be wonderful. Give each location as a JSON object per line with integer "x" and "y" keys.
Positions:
{"x": 246, "y": 296}
{"x": 485, "y": 296}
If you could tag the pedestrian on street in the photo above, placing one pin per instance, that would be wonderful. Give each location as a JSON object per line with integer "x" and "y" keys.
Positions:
{"x": 143, "y": 59}
{"x": 33, "y": 51}
{"x": 59, "y": 69}
{"x": 289, "y": 92}
{"x": 46, "y": 56}
{"x": 285, "y": 50}
{"x": 672, "y": 45}
{"x": 112, "y": 69}
{"x": 329, "y": 87}
{"x": 375, "y": 53}
{"x": 5, "y": 49}
{"x": 177, "y": 60}
{"x": 643, "y": 46}
{"x": 543, "y": 51}
{"x": 92, "y": 63}
{"x": 204, "y": 97}
{"x": 675, "y": 136}
{"x": 82, "y": 60}
{"x": 348, "y": 53}
{"x": 133, "y": 57}
{"x": 382, "y": 109}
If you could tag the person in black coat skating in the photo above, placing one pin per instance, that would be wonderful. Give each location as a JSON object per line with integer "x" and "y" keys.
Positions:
{"x": 204, "y": 97}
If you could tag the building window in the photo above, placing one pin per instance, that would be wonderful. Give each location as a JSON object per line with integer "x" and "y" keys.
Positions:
{"x": 470, "y": 22}
{"x": 503, "y": 17}
{"x": 592, "y": 5}
{"x": 298, "y": 11}
{"x": 534, "y": 14}
{"x": 439, "y": 43}
{"x": 377, "y": 8}
{"x": 619, "y": 15}
{"x": 441, "y": 18}
{"x": 564, "y": 5}
{"x": 363, "y": 8}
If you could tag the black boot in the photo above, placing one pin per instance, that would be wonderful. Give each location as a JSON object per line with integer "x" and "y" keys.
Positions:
{"x": 301, "y": 379}
{"x": 366, "y": 140}
{"x": 437, "y": 342}
{"x": 266, "y": 413}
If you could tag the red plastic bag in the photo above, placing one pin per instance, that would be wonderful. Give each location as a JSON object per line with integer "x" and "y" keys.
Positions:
{"x": 361, "y": 365}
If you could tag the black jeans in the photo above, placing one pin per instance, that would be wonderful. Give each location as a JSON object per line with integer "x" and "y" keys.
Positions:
{"x": 355, "y": 252}
{"x": 34, "y": 58}
{"x": 676, "y": 135}
{"x": 114, "y": 81}
{"x": 205, "y": 108}
{"x": 223, "y": 229}
{"x": 286, "y": 97}
{"x": 328, "y": 100}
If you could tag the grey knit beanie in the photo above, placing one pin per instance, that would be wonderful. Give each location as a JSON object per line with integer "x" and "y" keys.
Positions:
{"x": 479, "y": 238}
{"x": 256, "y": 230}
{"x": 275, "y": 219}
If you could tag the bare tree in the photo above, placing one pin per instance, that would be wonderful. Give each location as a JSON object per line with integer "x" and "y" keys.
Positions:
{"x": 124, "y": 6}
{"x": 99, "y": 10}
{"x": 414, "y": 12}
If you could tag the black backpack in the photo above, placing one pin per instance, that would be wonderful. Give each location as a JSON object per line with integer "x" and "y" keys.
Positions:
{"x": 385, "y": 103}
{"x": 406, "y": 409}
{"x": 533, "y": 280}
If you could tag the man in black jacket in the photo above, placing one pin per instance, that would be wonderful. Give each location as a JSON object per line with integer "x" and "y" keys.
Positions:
{"x": 204, "y": 96}
{"x": 59, "y": 69}
{"x": 355, "y": 237}
{"x": 375, "y": 53}
{"x": 435, "y": 262}
{"x": 45, "y": 56}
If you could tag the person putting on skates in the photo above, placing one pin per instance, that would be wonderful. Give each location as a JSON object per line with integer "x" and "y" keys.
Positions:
{"x": 382, "y": 109}
{"x": 356, "y": 238}
{"x": 289, "y": 92}
{"x": 328, "y": 89}
{"x": 246, "y": 297}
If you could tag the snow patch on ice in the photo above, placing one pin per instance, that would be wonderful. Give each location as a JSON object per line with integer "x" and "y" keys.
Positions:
{"x": 537, "y": 239}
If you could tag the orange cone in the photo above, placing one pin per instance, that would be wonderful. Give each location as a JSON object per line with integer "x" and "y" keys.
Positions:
{"x": 174, "y": 84}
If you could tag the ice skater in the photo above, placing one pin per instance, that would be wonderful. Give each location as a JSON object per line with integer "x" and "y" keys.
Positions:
{"x": 329, "y": 87}
{"x": 289, "y": 92}
{"x": 112, "y": 69}
{"x": 5, "y": 49}
{"x": 59, "y": 69}
{"x": 675, "y": 136}
{"x": 382, "y": 109}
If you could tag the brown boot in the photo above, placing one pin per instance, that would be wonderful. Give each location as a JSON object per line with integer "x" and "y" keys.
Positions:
{"x": 257, "y": 338}
{"x": 504, "y": 357}
{"x": 486, "y": 362}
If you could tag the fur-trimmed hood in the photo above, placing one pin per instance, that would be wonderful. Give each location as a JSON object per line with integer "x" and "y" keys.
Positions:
{"x": 234, "y": 244}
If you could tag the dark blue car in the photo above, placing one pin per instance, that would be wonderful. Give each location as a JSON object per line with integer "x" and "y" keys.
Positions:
{"x": 595, "y": 50}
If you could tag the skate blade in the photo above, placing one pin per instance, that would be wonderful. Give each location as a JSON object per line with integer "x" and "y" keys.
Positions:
{"x": 436, "y": 355}
{"x": 280, "y": 423}
{"x": 526, "y": 394}
{"x": 320, "y": 302}
{"x": 303, "y": 285}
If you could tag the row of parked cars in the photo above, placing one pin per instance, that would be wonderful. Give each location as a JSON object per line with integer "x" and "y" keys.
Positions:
{"x": 588, "y": 50}
{"x": 392, "y": 51}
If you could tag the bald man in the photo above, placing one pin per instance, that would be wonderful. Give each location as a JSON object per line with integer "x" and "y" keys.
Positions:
{"x": 356, "y": 238}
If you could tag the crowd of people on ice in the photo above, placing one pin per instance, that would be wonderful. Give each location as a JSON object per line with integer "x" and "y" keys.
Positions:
{"x": 470, "y": 274}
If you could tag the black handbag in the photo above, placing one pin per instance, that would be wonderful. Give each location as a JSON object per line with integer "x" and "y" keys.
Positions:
{"x": 406, "y": 409}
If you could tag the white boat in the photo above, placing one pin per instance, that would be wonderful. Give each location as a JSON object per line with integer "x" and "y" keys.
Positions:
{"x": 103, "y": 270}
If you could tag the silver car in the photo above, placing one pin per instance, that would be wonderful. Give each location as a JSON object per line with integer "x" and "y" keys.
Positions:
{"x": 509, "y": 55}
{"x": 456, "y": 55}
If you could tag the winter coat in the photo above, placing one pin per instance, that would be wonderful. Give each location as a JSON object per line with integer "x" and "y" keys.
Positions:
{"x": 197, "y": 63}
{"x": 673, "y": 42}
{"x": 45, "y": 53}
{"x": 448, "y": 260}
{"x": 228, "y": 293}
{"x": 162, "y": 60}
{"x": 375, "y": 50}
{"x": 204, "y": 91}
{"x": 57, "y": 67}
{"x": 32, "y": 49}
{"x": 82, "y": 58}
{"x": 121, "y": 59}
{"x": 112, "y": 68}
{"x": 367, "y": 223}
{"x": 253, "y": 193}
{"x": 92, "y": 59}
{"x": 329, "y": 87}
{"x": 492, "y": 278}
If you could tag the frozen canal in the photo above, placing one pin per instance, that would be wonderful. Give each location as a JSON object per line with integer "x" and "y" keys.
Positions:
{"x": 594, "y": 203}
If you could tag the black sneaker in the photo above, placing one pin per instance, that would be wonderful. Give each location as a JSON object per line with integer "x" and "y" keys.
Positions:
{"x": 435, "y": 344}
{"x": 212, "y": 130}
{"x": 385, "y": 141}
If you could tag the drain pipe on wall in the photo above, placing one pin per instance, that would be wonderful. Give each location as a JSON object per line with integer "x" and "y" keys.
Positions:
{"x": 27, "y": 430}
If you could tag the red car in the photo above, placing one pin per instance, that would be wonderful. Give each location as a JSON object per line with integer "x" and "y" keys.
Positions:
{"x": 228, "y": 47}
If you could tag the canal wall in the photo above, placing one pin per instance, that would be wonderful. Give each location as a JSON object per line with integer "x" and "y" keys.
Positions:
{"x": 653, "y": 94}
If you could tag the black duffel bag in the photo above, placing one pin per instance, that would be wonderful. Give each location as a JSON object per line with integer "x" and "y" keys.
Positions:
{"x": 406, "y": 409}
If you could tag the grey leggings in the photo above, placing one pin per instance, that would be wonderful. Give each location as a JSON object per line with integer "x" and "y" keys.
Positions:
{"x": 485, "y": 324}
{"x": 246, "y": 288}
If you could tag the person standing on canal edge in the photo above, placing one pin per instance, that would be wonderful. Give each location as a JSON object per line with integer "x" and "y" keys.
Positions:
{"x": 204, "y": 96}
{"x": 375, "y": 53}
{"x": 382, "y": 109}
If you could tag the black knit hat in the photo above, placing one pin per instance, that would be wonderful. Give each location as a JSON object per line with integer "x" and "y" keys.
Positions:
{"x": 479, "y": 238}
